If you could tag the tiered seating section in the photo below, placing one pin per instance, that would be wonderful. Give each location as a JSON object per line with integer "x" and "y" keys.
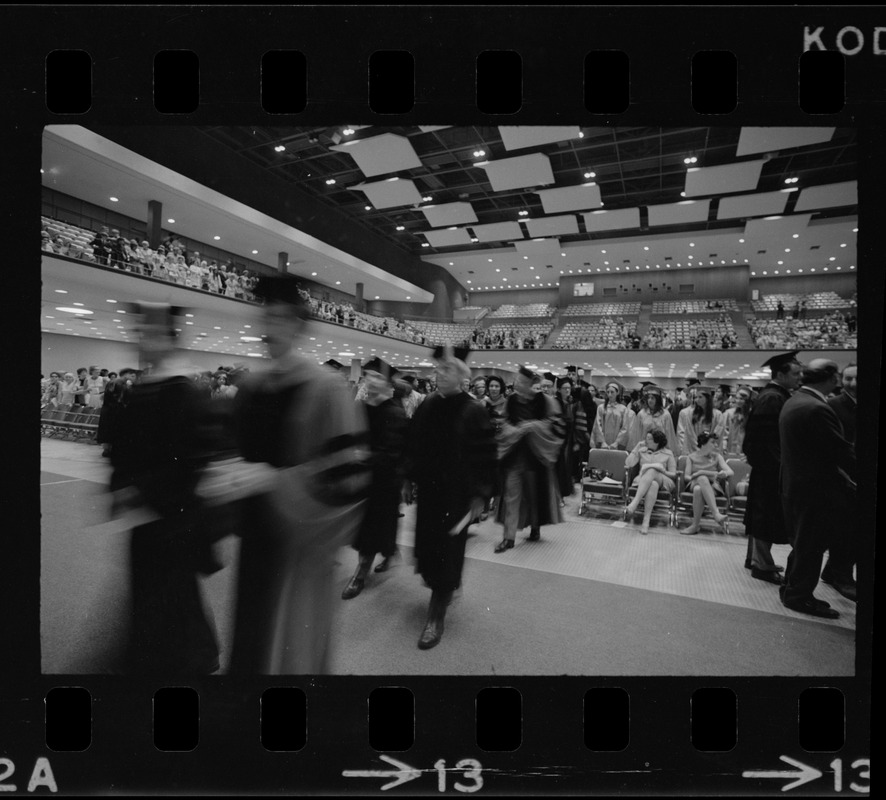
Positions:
{"x": 513, "y": 336}
{"x": 437, "y": 333}
{"x": 829, "y": 332}
{"x": 696, "y": 334}
{"x": 693, "y": 306}
{"x": 522, "y": 312}
{"x": 816, "y": 301}
{"x": 601, "y": 310}
{"x": 607, "y": 334}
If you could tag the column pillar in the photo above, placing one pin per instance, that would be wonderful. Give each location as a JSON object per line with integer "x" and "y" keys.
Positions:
{"x": 282, "y": 260}
{"x": 358, "y": 298}
{"x": 155, "y": 224}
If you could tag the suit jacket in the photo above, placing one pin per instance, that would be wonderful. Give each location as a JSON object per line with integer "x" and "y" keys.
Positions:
{"x": 813, "y": 451}
{"x": 846, "y": 410}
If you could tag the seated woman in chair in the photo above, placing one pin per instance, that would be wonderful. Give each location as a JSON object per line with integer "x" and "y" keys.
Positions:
{"x": 658, "y": 470}
{"x": 705, "y": 471}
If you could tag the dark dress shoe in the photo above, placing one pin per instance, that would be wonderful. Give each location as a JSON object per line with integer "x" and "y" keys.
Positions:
{"x": 812, "y": 608}
{"x": 748, "y": 565}
{"x": 767, "y": 575}
{"x": 848, "y": 590}
{"x": 534, "y": 536}
{"x": 431, "y": 635}
{"x": 504, "y": 544}
{"x": 383, "y": 566}
{"x": 353, "y": 588}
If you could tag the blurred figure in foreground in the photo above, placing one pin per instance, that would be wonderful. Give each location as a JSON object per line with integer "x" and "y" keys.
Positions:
{"x": 451, "y": 457}
{"x": 298, "y": 419}
{"x": 156, "y": 458}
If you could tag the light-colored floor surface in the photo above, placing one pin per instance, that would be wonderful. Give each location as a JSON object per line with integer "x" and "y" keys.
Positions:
{"x": 593, "y": 597}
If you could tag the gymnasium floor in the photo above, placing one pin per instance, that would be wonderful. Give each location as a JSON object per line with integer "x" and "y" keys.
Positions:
{"x": 593, "y": 597}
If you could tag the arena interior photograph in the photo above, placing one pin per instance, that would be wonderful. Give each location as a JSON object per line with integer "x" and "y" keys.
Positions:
{"x": 449, "y": 400}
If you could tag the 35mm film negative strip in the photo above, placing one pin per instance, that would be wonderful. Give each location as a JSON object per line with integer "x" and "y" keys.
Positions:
{"x": 634, "y": 689}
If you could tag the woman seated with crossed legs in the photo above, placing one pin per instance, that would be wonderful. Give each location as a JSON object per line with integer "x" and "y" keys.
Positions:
{"x": 705, "y": 469}
{"x": 658, "y": 470}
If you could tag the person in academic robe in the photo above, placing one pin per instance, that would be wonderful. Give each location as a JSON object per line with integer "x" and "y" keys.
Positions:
{"x": 817, "y": 480}
{"x": 651, "y": 416}
{"x": 156, "y": 459}
{"x": 450, "y": 456}
{"x": 764, "y": 520}
{"x": 299, "y": 420}
{"x": 529, "y": 444}
{"x": 387, "y": 431}
{"x": 569, "y": 409}
{"x": 610, "y": 429}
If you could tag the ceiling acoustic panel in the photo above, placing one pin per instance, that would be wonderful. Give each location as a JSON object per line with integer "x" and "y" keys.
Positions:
{"x": 832, "y": 195}
{"x": 570, "y": 198}
{"x": 686, "y": 211}
{"x": 619, "y": 219}
{"x": 552, "y": 226}
{"x": 728, "y": 178}
{"x": 497, "y": 231}
{"x": 520, "y": 172}
{"x": 758, "y": 230}
{"x": 516, "y": 137}
{"x": 769, "y": 140}
{"x": 538, "y": 247}
{"x": 447, "y": 238}
{"x": 449, "y": 214}
{"x": 753, "y": 205}
{"x": 390, "y": 193}
{"x": 381, "y": 155}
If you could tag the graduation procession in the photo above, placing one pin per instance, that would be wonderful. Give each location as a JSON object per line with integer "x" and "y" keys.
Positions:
{"x": 339, "y": 427}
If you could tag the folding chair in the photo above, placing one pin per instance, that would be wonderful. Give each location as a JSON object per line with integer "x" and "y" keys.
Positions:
{"x": 49, "y": 419}
{"x": 683, "y": 499}
{"x": 738, "y": 503}
{"x": 594, "y": 488}
{"x": 664, "y": 502}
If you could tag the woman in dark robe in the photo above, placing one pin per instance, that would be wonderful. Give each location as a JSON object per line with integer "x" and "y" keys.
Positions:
{"x": 565, "y": 461}
{"x": 157, "y": 458}
{"x": 387, "y": 429}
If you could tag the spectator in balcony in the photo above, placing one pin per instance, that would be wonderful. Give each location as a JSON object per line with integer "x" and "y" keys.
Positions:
{"x": 705, "y": 472}
{"x": 703, "y": 415}
{"x": 734, "y": 422}
{"x": 46, "y": 242}
{"x": 779, "y": 310}
{"x": 232, "y": 285}
{"x": 610, "y": 427}
{"x": 851, "y": 322}
{"x": 118, "y": 258}
{"x": 795, "y": 311}
{"x": 802, "y": 309}
{"x": 651, "y": 415}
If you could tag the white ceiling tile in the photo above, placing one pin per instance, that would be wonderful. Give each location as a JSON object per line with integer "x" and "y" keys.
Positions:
{"x": 619, "y": 219}
{"x": 570, "y": 198}
{"x": 769, "y": 140}
{"x": 515, "y": 137}
{"x": 449, "y": 214}
{"x": 552, "y": 226}
{"x": 535, "y": 247}
{"x": 448, "y": 238}
{"x": 741, "y": 177}
{"x": 390, "y": 193}
{"x": 832, "y": 195}
{"x": 679, "y": 213}
{"x": 497, "y": 231}
{"x": 757, "y": 230}
{"x": 519, "y": 172}
{"x": 752, "y": 205}
{"x": 381, "y": 155}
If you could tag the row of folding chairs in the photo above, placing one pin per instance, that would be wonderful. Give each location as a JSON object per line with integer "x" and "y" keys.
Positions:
{"x": 71, "y": 422}
{"x": 606, "y": 481}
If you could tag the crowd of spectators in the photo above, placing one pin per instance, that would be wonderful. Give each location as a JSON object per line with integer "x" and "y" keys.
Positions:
{"x": 607, "y": 334}
{"x": 832, "y": 331}
{"x": 503, "y": 338}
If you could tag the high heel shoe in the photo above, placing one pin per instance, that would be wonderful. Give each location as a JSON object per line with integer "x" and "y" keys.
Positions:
{"x": 627, "y": 513}
{"x": 504, "y": 544}
{"x": 723, "y": 522}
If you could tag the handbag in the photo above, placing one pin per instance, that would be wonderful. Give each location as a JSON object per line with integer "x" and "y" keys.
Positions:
{"x": 233, "y": 479}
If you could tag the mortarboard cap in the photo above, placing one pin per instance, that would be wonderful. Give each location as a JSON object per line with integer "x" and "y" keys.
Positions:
{"x": 781, "y": 360}
{"x": 693, "y": 382}
{"x": 333, "y": 363}
{"x": 549, "y": 376}
{"x": 564, "y": 381}
{"x": 445, "y": 352}
{"x": 528, "y": 373}
{"x": 650, "y": 388}
{"x": 381, "y": 367}
{"x": 572, "y": 369}
{"x": 155, "y": 313}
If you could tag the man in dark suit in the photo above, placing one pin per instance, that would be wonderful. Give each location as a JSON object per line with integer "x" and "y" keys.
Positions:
{"x": 842, "y": 556}
{"x": 817, "y": 468}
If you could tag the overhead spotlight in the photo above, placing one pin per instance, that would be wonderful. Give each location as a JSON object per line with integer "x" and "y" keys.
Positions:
{"x": 479, "y": 153}
{"x": 368, "y": 208}
{"x": 425, "y": 244}
{"x": 401, "y": 227}
{"x": 348, "y": 131}
{"x": 114, "y": 199}
{"x": 427, "y": 199}
{"x": 217, "y": 238}
{"x": 171, "y": 221}
{"x": 474, "y": 239}
{"x": 330, "y": 181}
{"x": 279, "y": 148}
{"x": 590, "y": 174}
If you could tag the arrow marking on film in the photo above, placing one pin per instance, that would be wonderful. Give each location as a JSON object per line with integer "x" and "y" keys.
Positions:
{"x": 805, "y": 775}
{"x": 403, "y": 774}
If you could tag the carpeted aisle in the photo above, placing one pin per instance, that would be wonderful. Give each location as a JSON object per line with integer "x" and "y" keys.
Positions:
{"x": 591, "y": 598}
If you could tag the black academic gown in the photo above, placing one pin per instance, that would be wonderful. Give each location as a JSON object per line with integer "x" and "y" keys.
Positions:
{"x": 451, "y": 457}
{"x": 158, "y": 450}
{"x": 387, "y": 432}
{"x": 764, "y": 519}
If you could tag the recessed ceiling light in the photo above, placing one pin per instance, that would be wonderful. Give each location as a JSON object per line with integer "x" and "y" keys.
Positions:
{"x": 114, "y": 199}
{"x": 255, "y": 252}
{"x": 401, "y": 228}
{"x": 61, "y": 291}
{"x": 279, "y": 148}
{"x": 171, "y": 221}
{"x": 314, "y": 274}
{"x": 330, "y": 181}
{"x": 216, "y": 238}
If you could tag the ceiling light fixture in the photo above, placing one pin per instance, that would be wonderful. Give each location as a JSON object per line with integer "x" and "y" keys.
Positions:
{"x": 114, "y": 199}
